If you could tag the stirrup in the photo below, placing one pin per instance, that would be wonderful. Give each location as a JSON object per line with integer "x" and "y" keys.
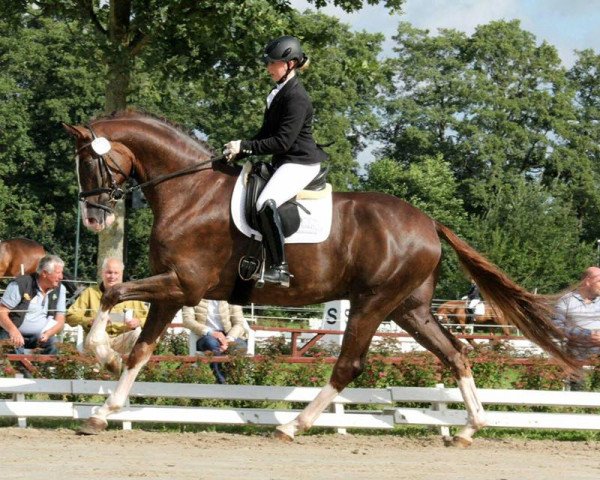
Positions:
{"x": 278, "y": 275}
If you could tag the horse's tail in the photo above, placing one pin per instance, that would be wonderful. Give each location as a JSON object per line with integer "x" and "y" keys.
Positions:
{"x": 531, "y": 314}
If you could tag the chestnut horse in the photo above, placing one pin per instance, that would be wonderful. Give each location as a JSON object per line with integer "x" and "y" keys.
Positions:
{"x": 19, "y": 255}
{"x": 383, "y": 255}
{"x": 455, "y": 311}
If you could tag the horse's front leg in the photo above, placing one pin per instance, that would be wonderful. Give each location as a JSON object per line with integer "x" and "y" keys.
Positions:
{"x": 153, "y": 289}
{"x": 157, "y": 290}
{"x": 158, "y": 319}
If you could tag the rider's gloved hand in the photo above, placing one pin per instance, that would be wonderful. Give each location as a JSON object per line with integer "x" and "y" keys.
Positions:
{"x": 231, "y": 149}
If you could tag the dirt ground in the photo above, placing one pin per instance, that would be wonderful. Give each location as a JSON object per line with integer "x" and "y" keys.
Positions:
{"x": 60, "y": 454}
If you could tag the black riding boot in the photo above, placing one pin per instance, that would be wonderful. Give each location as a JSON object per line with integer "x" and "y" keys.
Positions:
{"x": 273, "y": 240}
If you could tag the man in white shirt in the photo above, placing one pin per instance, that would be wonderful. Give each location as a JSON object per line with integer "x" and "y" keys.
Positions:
{"x": 220, "y": 328}
{"x": 578, "y": 316}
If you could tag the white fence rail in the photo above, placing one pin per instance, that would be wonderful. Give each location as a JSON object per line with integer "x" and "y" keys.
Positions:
{"x": 387, "y": 416}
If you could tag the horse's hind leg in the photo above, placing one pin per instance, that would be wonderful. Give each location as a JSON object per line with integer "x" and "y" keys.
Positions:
{"x": 415, "y": 317}
{"x": 158, "y": 319}
{"x": 363, "y": 321}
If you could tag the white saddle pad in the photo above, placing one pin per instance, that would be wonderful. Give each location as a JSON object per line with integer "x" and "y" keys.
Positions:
{"x": 314, "y": 227}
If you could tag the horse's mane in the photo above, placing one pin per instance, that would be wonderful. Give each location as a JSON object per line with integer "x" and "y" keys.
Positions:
{"x": 146, "y": 116}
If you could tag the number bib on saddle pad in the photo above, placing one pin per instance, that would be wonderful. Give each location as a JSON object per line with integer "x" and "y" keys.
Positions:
{"x": 314, "y": 226}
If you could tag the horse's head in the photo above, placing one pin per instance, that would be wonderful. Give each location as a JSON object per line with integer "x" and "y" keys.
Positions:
{"x": 102, "y": 167}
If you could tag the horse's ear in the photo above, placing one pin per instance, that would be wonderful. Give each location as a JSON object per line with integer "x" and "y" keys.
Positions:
{"x": 75, "y": 131}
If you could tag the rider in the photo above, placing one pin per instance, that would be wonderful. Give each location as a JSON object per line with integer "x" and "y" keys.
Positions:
{"x": 473, "y": 299}
{"x": 286, "y": 133}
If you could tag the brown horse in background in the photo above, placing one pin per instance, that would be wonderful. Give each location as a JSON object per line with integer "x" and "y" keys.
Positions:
{"x": 19, "y": 255}
{"x": 455, "y": 311}
{"x": 382, "y": 254}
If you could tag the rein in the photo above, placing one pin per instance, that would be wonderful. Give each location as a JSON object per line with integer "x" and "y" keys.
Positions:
{"x": 178, "y": 173}
{"x": 116, "y": 192}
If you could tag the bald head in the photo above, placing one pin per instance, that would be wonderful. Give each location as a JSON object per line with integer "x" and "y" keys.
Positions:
{"x": 590, "y": 283}
{"x": 112, "y": 272}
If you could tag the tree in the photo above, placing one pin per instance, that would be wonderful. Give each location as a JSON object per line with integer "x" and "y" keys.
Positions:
{"x": 198, "y": 35}
{"x": 53, "y": 71}
{"x": 45, "y": 77}
{"x": 343, "y": 81}
{"x": 517, "y": 132}
{"x": 533, "y": 236}
{"x": 492, "y": 103}
{"x": 576, "y": 160}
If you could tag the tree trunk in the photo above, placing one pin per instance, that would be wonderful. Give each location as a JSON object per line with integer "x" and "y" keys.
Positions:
{"x": 119, "y": 63}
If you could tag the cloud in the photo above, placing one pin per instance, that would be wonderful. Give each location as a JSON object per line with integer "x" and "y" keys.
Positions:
{"x": 463, "y": 15}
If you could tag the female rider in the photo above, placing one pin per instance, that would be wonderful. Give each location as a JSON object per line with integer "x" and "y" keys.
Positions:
{"x": 286, "y": 133}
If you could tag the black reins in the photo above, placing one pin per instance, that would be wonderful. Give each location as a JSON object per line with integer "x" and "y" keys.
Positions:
{"x": 115, "y": 192}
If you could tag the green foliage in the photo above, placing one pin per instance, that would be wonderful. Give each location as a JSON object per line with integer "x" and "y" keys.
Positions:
{"x": 45, "y": 78}
{"x": 463, "y": 117}
{"x": 516, "y": 132}
{"x": 533, "y": 235}
{"x": 494, "y": 366}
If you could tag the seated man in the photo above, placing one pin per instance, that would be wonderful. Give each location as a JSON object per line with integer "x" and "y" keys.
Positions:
{"x": 32, "y": 309}
{"x": 126, "y": 318}
{"x": 220, "y": 327}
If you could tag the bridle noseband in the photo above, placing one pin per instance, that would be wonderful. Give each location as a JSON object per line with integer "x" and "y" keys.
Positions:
{"x": 115, "y": 192}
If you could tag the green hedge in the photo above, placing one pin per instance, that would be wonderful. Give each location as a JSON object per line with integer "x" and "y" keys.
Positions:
{"x": 493, "y": 367}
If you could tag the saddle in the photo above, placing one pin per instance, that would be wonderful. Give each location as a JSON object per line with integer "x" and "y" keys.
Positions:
{"x": 258, "y": 177}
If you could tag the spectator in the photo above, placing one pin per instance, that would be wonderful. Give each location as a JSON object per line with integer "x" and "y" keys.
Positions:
{"x": 126, "y": 318}
{"x": 578, "y": 316}
{"x": 220, "y": 327}
{"x": 32, "y": 309}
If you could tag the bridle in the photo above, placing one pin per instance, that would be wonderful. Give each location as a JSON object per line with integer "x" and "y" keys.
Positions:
{"x": 107, "y": 164}
{"x": 115, "y": 192}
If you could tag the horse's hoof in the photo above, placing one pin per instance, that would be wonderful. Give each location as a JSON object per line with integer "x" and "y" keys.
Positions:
{"x": 282, "y": 436}
{"x": 93, "y": 426}
{"x": 457, "y": 441}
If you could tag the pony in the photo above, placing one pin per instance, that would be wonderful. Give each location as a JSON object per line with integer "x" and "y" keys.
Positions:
{"x": 382, "y": 254}
{"x": 455, "y": 311}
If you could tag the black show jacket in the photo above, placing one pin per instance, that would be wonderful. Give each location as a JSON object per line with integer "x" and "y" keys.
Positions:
{"x": 286, "y": 132}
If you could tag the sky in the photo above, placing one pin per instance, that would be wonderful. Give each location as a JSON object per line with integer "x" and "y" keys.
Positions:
{"x": 568, "y": 25}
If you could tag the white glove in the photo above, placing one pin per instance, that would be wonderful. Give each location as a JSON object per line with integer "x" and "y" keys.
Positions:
{"x": 231, "y": 149}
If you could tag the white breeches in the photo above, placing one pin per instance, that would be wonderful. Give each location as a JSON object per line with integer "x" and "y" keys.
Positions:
{"x": 286, "y": 182}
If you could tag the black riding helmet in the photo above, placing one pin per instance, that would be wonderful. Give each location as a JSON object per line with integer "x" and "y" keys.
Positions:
{"x": 284, "y": 48}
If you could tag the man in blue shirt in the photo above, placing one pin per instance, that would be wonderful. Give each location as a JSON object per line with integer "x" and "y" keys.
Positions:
{"x": 32, "y": 309}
